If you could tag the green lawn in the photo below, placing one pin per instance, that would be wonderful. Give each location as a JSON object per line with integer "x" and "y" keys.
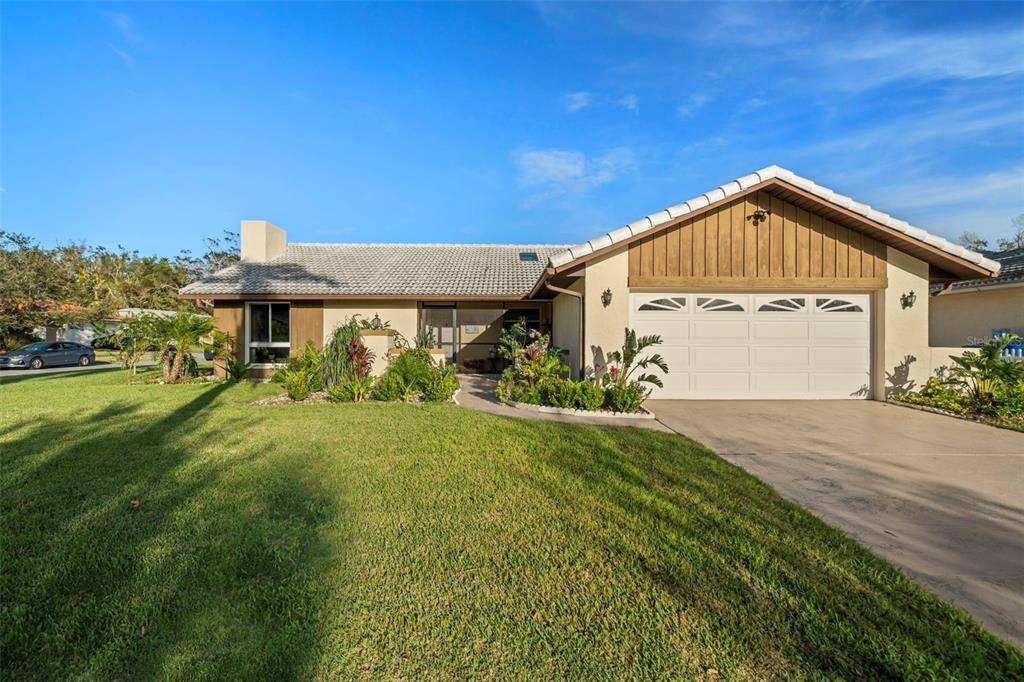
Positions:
{"x": 181, "y": 532}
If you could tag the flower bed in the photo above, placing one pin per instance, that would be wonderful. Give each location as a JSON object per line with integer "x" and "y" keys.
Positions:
{"x": 536, "y": 378}
{"x": 643, "y": 413}
{"x": 341, "y": 372}
{"x": 982, "y": 386}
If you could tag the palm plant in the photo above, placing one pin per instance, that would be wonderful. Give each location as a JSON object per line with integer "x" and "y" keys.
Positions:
{"x": 176, "y": 334}
{"x": 983, "y": 372}
{"x": 625, "y": 363}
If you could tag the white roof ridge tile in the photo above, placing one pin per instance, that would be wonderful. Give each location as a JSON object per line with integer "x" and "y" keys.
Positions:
{"x": 745, "y": 182}
{"x": 453, "y": 244}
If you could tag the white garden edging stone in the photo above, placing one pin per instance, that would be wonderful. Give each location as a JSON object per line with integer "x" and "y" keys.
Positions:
{"x": 569, "y": 412}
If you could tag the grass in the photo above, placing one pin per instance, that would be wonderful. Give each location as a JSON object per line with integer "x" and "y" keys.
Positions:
{"x": 181, "y": 532}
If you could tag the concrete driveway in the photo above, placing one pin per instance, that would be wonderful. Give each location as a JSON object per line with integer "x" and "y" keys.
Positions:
{"x": 941, "y": 498}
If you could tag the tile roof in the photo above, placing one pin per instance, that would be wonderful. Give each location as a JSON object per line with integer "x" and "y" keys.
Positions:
{"x": 1012, "y": 271}
{"x": 385, "y": 270}
{"x": 652, "y": 221}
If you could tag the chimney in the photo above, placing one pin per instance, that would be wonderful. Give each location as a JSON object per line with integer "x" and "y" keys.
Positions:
{"x": 262, "y": 241}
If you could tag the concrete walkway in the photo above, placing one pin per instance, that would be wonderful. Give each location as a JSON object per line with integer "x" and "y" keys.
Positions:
{"x": 939, "y": 497}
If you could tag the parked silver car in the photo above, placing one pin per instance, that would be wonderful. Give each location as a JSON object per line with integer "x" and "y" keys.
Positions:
{"x": 48, "y": 354}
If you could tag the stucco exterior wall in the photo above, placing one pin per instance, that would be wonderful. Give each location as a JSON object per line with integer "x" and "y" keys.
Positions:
{"x": 902, "y": 357}
{"x": 958, "y": 319}
{"x": 604, "y": 327}
{"x": 565, "y": 327}
{"x": 403, "y": 315}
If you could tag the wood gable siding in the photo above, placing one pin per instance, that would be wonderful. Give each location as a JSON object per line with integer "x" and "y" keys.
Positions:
{"x": 723, "y": 248}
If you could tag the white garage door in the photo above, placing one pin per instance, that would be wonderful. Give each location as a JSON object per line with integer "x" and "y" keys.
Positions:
{"x": 785, "y": 345}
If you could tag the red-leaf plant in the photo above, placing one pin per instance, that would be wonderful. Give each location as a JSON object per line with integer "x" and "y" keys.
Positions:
{"x": 361, "y": 358}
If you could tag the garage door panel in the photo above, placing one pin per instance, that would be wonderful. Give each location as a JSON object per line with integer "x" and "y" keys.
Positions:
{"x": 721, "y": 382}
{"x": 726, "y": 357}
{"x": 677, "y": 357}
{"x": 721, "y": 329}
{"x": 828, "y": 330}
{"x": 781, "y": 356}
{"x": 676, "y": 383}
{"x": 781, "y": 329}
{"x": 841, "y": 356}
{"x": 780, "y": 383}
{"x": 672, "y": 332}
{"x": 842, "y": 384}
{"x": 779, "y": 345}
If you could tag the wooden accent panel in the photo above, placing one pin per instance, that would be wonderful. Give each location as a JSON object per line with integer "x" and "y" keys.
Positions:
{"x": 794, "y": 248}
{"x": 229, "y": 317}
{"x": 307, "y": 324}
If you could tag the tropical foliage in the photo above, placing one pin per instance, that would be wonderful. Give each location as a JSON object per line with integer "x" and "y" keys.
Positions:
{"x": 535, "y": 374}
{"x": 980, "y": 383}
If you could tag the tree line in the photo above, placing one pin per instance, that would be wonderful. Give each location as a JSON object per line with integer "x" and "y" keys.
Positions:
{"x": 974, "y": 242}
{"x": 78, "y": 284}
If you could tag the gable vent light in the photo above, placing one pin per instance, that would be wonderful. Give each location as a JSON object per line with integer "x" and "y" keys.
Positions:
{"x": 528, "y": 256}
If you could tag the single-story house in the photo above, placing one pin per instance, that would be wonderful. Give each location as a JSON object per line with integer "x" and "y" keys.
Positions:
{"x": 968, "y": 311}
{"x": 769, "y": 286}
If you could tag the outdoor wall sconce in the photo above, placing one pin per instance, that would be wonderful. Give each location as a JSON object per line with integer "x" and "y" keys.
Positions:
{"x": 760, "y": 215}
{"x": 606, "y": 298}
{"x": 375, "y": 323}
{"x": 908, "y": 300}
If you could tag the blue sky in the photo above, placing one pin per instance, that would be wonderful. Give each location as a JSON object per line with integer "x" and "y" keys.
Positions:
{"x": 155, "y": 125}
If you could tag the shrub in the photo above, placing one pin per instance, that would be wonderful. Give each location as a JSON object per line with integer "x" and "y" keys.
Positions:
{"x": 306, "y": 362}
{"x": 1009, "y": 400}
{"x": 589, "y": 395}
{"x": 938, "y": 394}
{"x": 350, "y": 390}
{"x": 392, "y": 386}
{"x": 559, "y": 393}
{"x": 533, "y": 362}
{"x": 235, "y": 371}
{"x": 523, "y": 393}
{"x": 414, "y": 365}
{"x": 625, "y": 397}
{"x": 441, "y": 384}
{"x": 298, "y": 383}
{"x": 506, "y": 385}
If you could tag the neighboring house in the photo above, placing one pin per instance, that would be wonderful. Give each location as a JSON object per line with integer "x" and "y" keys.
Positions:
{"x": 770, "y": 286}
{"x": 88, "y": 332}
{"x": 967, "y": 312}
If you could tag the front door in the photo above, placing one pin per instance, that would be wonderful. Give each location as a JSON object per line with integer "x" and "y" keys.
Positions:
{"x": 441, "y": 322}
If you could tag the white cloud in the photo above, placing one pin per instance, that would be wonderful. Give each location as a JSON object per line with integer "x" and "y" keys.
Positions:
{"x": 887, "y": 56}
{"x": 561, "y": 171}
{"x": 942, "y": 192}
{"x": 693, "y": 105}
{"x": 629, "y": 103}
{"x": 575, "y": 101}
{"x": 124, "y": 56}
{"x": 124, "y": 25}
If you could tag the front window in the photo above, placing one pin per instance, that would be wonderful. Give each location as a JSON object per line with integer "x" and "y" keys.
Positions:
{"x": 269, "y": 333}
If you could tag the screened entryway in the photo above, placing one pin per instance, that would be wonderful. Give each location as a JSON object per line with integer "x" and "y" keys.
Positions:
{"x": 469, "y": 331}
{"x": 775, "y": 345}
